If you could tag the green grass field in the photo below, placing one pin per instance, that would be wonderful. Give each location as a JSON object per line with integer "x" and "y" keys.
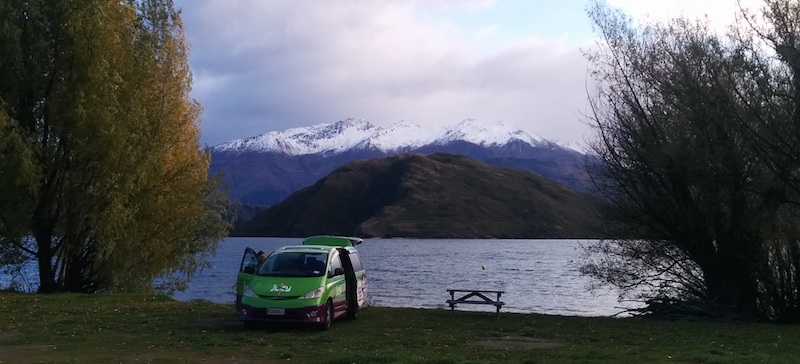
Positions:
{"x": 116, "y": 328}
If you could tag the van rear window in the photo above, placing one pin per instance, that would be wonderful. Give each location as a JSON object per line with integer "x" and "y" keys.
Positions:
{"x": 356, "y": 261}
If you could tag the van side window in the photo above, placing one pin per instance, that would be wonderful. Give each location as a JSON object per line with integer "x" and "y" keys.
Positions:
{"x": 336, "y": 262}
{"x": 356, "y": 261}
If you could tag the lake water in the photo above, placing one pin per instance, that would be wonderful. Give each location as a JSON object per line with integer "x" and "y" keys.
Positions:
{"x": 538, "y": 276}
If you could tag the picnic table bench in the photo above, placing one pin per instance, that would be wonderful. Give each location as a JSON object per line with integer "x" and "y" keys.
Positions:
{"x": 475, "y": 297}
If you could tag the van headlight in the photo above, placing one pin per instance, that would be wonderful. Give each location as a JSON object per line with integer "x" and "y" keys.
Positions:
{"x": 313, "y": 294}
{"x": 248, "y": 292}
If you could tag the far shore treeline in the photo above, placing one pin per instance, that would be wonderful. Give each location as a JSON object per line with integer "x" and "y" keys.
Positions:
{"x": 697, "y": 144}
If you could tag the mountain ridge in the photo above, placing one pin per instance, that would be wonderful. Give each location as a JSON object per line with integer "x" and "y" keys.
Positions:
{"x": 400, "y": 137}
{"x": 430, "y": 196}
{"x": 265, "y": 169}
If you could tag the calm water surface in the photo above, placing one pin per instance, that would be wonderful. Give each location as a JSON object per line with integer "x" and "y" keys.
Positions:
{"x": 538, "y": 276}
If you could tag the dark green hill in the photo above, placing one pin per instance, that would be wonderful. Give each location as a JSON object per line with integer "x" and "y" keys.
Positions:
{"x": 435, "y": 196}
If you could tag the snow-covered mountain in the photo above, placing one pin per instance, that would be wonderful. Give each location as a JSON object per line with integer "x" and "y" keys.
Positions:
{"x": 266, "y": 169}
{"x": 358, "y": 134}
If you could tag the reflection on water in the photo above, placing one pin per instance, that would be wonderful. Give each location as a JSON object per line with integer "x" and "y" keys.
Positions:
{"x": 538, "y": 276}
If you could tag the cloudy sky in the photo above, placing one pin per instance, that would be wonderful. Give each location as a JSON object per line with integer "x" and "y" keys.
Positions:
{"x": 267, "y": 65}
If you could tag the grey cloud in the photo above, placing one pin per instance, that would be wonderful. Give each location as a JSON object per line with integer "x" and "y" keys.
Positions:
{"x": 270, "y": 65}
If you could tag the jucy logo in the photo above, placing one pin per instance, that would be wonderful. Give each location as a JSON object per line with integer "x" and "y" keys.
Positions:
{"x": 281, "y": 288}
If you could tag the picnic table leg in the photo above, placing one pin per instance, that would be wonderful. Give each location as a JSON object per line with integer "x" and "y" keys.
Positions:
{"x": 497, "y": 315}
{"x": 452, "y": 304}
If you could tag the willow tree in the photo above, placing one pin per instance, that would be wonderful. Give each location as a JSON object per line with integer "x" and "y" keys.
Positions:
{"x": 104, "y": 182}
{"x": 687, "y": 121}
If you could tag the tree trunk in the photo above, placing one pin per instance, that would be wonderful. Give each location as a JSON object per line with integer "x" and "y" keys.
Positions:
{"x": 44, "y": 256}
{"x": 732, "y": 287}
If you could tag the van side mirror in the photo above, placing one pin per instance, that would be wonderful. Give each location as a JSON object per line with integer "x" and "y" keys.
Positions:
{"x": 338, "y": 271}
{"x": 250, "y": 270}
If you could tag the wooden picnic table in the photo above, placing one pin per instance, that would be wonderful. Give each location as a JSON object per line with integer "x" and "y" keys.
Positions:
{"x": 475, "y": 297}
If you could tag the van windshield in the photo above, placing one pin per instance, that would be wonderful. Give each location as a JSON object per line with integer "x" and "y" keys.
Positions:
{"x": 294, "y": 264}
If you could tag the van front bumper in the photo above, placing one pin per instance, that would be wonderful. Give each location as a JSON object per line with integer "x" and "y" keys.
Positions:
{"x": 309, "y": 314}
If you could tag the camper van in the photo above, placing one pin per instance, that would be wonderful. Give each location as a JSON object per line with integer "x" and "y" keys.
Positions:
{"x": 316, "y": 282}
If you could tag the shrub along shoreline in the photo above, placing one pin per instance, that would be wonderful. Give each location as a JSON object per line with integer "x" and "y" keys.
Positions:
{"x": 129, "y": 328}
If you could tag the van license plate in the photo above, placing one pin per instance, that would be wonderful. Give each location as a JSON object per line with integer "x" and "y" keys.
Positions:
{"x": 275, "y": 311}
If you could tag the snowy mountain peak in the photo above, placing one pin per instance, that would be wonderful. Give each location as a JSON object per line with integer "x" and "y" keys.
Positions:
{"x": 352, "y": 133}
{"x": 399, "y": 137}
{"x": 320, "y": 138}
{"x": 489, "y": 134}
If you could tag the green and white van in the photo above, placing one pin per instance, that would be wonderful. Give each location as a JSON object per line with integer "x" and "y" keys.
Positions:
{"x": 316, "y": 282}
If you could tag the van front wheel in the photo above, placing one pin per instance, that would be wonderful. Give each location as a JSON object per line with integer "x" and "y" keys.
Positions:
{"x": 326, "y": 325}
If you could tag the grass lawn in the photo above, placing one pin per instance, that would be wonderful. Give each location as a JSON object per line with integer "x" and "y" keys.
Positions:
{"x": 117, "y": 328}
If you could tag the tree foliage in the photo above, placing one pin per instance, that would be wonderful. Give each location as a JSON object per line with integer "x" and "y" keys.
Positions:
{"x": 104, "y": 182}
{"x": 698, "y": 135}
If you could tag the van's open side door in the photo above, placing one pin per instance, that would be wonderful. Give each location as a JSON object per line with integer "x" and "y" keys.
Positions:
{"x": 351, "y": 284}
{"x": 246, "y": 270}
